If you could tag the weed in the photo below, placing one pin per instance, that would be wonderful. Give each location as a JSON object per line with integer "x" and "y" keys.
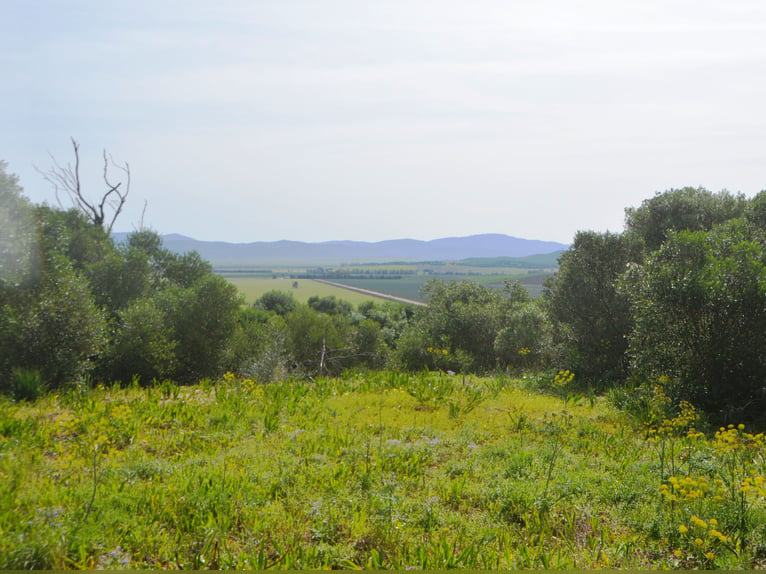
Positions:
{"x": 27, "y": 384}
{"x": 376, "y": 470}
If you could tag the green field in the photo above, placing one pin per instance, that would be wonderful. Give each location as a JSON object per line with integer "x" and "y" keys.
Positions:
{"x": 254, "y": 281}
{"x": 383, "y": 470}
{"x": 409, "y": 286}
{"x": 254, "y": 287}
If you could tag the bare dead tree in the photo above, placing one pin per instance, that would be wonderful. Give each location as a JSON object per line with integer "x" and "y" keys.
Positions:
{"x": 66, "y": 180}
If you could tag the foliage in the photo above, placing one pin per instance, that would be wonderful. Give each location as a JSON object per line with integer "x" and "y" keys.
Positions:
{"x": 17, "y": 237}
{"x": 526, "y": 341}
{"x": 119, "y": 278}
{"x": 27, "y": 384}
{"x": 367, "y": 344}
{"x": 269, "y": 360}
{"x": 81, "y": 306}
{"x": 700, "y": 319}
{"x": 202, "y": 319}
{"x": 686, "y": 209}
{"x": 392, "y": 318}
{"x": 69, "y": 235}
{"x": 142, "y": 348}
{"x": 461, "y": 318}
{"x": 329, "y": 305}
{"x": 755, "y": 211}
{"x": 318, "y": 341}
{"x": 590, "y": 315}
{"x": 53, "y": 327}
{"x": 280, "y": 302}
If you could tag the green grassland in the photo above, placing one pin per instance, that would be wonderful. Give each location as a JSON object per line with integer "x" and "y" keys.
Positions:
{"x": 406, "y": 286}
{"x": 253, "y": 287}
{"x": 409, "y": 286}
{"x": 382, "y": 470}
{"x": 399, "y": 279}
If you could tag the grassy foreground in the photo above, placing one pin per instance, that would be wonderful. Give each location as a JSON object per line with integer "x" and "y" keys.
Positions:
{"x": 382, "y": 470}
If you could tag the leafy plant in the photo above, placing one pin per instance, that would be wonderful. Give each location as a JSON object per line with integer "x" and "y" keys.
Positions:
{"x": 27, "y": 384}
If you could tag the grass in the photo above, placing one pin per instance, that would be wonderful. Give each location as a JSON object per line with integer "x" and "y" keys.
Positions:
{"x": 409, "y": 285}
{"x": 255, "y": 282}
{"x": 254, "y": 287}
{"x": 382, "y": 470}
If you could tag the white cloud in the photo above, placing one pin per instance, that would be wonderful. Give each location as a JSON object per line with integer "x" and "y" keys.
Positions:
{"x": 297, "y": 119}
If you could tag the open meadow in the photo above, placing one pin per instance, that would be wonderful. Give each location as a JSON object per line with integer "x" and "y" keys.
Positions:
{"x": 381, "y": 470}
{"x": 407, "y": 287}
{"x": 254, "y": 287}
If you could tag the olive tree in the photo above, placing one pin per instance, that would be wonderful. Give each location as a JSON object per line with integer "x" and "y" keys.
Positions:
{"x": 590, "y": 315}
{"x": 457, "y": 330}
{"x": 699, "y": 305}
{"x": 688, "y": 208}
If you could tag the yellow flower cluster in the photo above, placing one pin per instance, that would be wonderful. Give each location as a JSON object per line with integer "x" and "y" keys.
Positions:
{"x": 436, "y": 351}
{"x": 563, "y": 378}
{"x": 67, "y": 425}
{"x": 686, "y": 488}
{"x": 680, "y": 425}
{"x": 121, "y": 413}
{"x": 702, "y": 537}
{"x": 740, "y": 480}
{"x": 524, "y": 351}
{"x": 731, "y": 438}
{"x": 753, "y": 485}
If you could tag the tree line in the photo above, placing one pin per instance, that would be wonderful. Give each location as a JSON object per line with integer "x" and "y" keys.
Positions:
{"x": 679, "y": 297}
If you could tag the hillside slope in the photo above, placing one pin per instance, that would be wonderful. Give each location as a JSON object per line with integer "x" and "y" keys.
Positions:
{"x": 333, "y": 252}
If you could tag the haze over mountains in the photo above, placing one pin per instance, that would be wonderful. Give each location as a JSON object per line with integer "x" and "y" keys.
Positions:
{"x": 335, "y": 252}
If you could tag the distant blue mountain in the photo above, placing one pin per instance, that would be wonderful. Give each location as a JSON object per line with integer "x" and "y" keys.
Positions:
{"x": 336, "y": 252}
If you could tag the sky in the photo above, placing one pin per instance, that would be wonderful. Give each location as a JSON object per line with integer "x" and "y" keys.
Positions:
{"x": 318, "y": 120}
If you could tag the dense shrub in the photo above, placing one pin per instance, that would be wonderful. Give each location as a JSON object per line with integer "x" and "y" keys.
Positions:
{"x": 280, "y": 302}
{"x": 593, "y": 318}
{"x": 526, "y": 340}
{"x": 54, "y": 327}
{"x": 699, "y": 304}
{"x": 685, "y": 209}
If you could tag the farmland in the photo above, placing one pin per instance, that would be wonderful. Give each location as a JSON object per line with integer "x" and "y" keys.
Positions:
{"x": 397, "y": 279}
{"x": 381, "y": 470}
{"x": 409, "y": 286}
{"x": 253, "y": 287}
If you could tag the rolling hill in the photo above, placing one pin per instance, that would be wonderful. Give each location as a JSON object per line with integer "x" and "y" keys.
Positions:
{"x": 336, "y": 252}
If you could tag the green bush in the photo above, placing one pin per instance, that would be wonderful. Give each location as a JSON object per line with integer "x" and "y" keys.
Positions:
{"x": 700, "y": 319}
{"x": 27, "y": 384}
{"x": 591, "y": 317}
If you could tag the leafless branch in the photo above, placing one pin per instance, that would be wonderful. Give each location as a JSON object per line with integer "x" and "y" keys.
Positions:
{"x": 141, "y": 226}
{"x": 67, "y": 180}
{"x": 121, "y": 196}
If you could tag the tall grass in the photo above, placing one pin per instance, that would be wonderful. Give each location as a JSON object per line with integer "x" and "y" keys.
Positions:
{"x": 381, "y": 470}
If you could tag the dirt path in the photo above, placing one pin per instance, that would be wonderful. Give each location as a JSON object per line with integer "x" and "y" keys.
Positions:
{"x": 373, "y": 293}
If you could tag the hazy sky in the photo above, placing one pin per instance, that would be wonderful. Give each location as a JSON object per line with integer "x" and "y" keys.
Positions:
{"x": 250, "y": 120}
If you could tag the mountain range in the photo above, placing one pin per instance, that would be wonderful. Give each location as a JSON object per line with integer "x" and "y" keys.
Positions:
{"x": 336, "y": 252}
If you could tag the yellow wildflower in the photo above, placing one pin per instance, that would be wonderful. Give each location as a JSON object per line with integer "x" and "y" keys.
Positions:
{"x": 698, "y": 522}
